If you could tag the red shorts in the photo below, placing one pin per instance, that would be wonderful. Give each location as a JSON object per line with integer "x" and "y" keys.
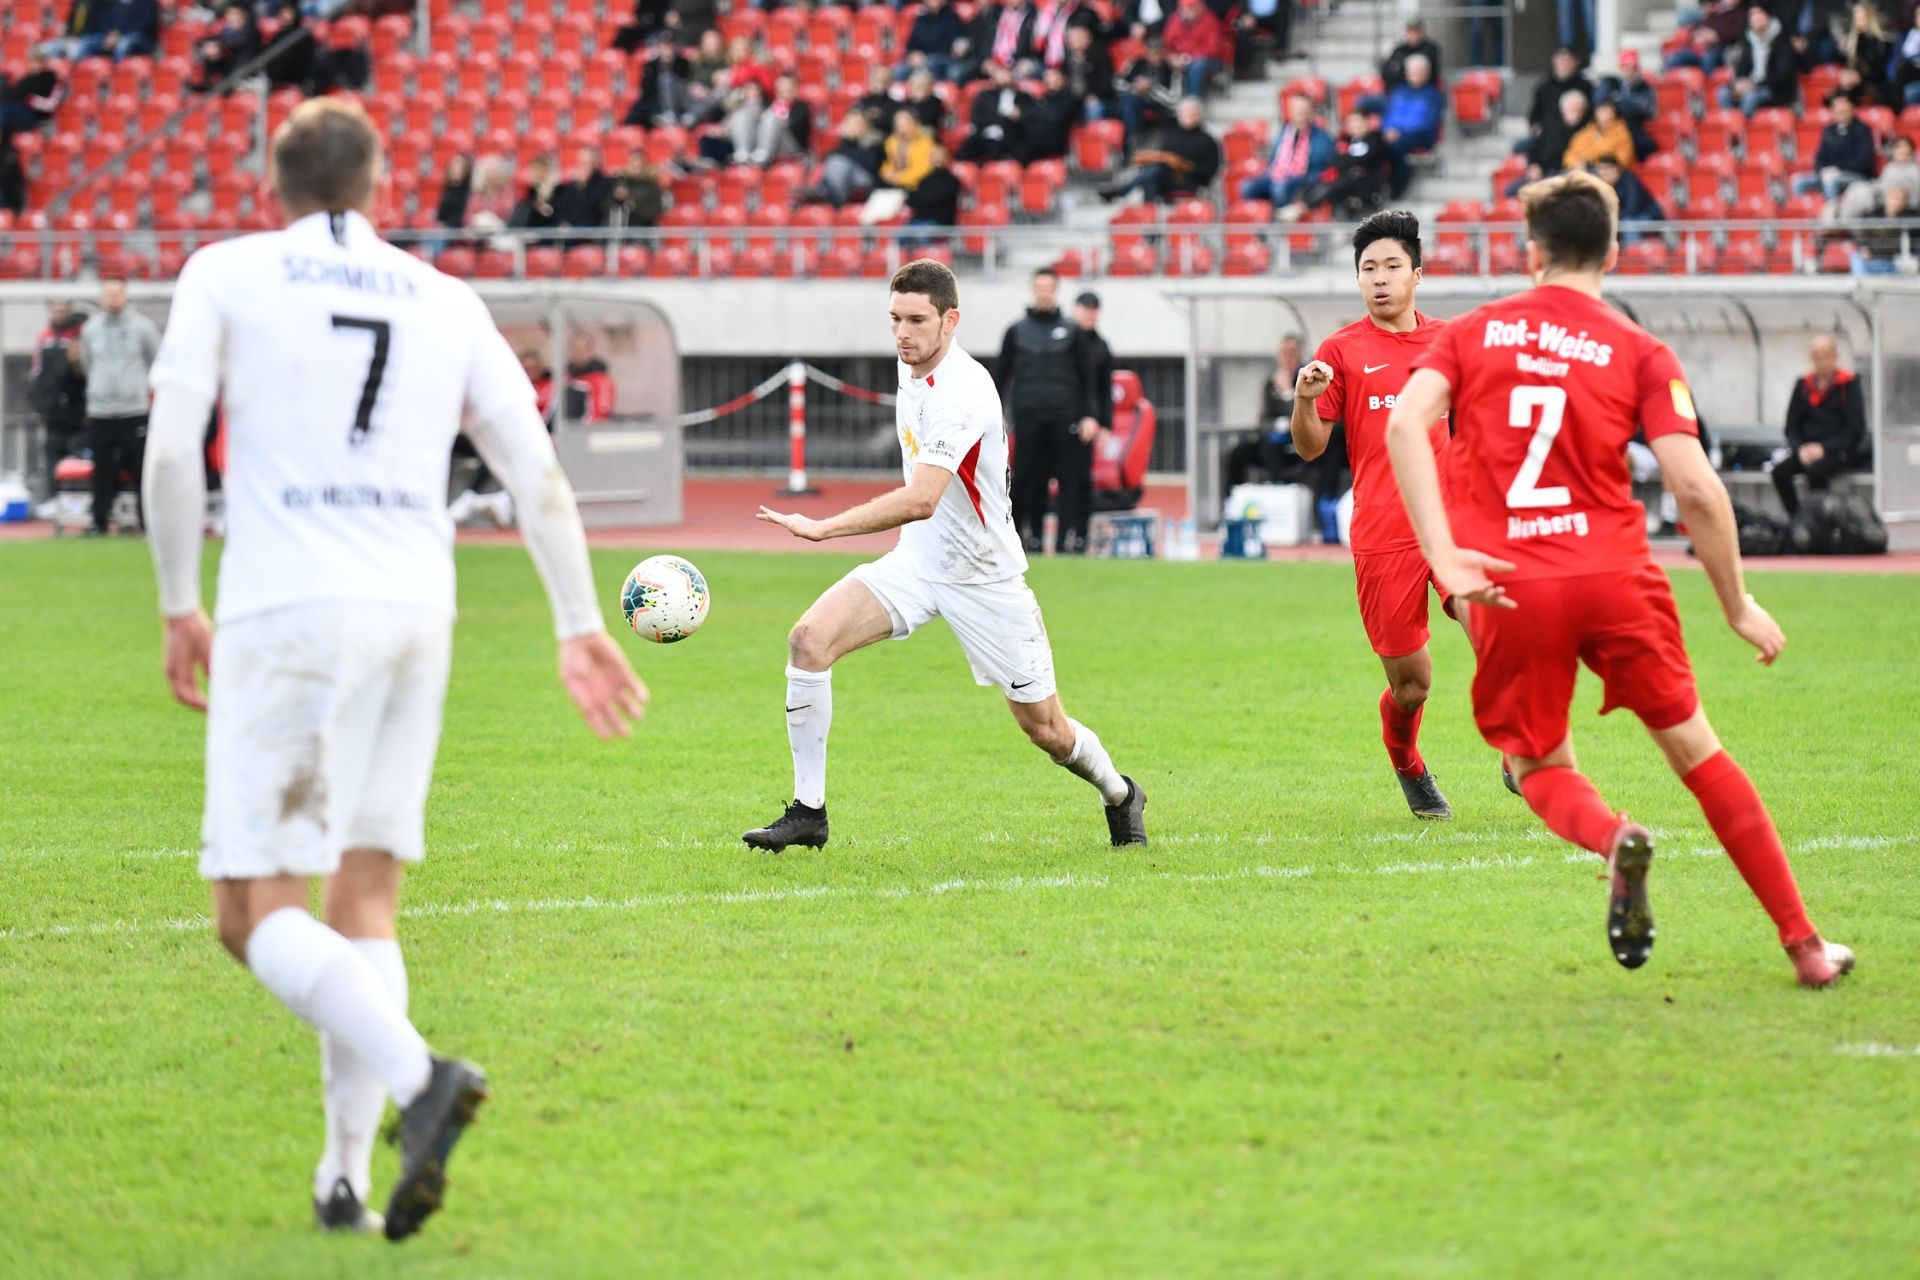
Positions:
{"x": 1622, "y": 625}
{"x": 1393, "y": 599}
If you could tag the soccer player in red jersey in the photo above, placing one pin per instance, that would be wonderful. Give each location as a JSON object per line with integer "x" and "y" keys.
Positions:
{"x": 1354, "y": 380}
{"x": 1550, "y": 385}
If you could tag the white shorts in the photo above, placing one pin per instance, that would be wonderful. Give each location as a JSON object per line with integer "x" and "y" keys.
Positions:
{"x": 998, "y": 624}
{"x": 322, "y": 723}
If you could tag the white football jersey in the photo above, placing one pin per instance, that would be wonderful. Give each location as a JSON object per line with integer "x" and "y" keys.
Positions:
{"x": 344, "y": 366}
{"x": 951, "y": 419}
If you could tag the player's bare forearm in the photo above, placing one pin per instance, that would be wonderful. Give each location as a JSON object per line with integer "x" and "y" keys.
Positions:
{"x": 915, "y": 500}
{"x": 1708, "y": 515}
{"x": 1310, "y": 434}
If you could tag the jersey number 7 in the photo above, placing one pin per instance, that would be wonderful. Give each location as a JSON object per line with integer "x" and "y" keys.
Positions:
{"x": 376, "y": 370}
{"x": 1551, "y": 402}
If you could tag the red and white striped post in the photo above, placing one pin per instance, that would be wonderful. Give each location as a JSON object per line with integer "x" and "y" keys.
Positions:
{"x": 797, "y": 430}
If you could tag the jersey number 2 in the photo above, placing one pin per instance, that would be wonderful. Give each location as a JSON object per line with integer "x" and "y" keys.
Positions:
{"x": 1551, "y": 403}
{"x": 376, "y": 370}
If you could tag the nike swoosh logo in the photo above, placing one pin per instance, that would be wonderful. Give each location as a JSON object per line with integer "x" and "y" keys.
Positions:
{"x": 802, "y": 707}
{"x": 1375, "y": 368}
{"x": 1023, "y": 684}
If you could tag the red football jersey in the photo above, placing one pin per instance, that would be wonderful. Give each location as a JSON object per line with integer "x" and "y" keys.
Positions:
{"x": 1548, "y": 387}
{"x": 1370, "y": 365}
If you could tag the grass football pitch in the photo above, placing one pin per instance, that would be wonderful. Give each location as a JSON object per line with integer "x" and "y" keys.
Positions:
{"x": 1300, "y": 1035}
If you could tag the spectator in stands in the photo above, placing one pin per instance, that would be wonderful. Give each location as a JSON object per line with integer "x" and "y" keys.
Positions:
{"x": 117, "y": 29}
{"x": 59, "y": 386}
{"x": 744, "y": 67}
{"x": 1722, "y": 25}
{"x": 1604, "y": 135}
{"x": 342, "y": 64}
{"x": 878, "y": 104}
{"x": 589, "y": 378}
{"x": 1301, "y": 151}
{"x": 1411, "y": 122}
{"x": 1866, "y": 199}
{"x": 1812, "y": 28}
{"x": 536, "y": 211}
{"x": 998, "y": 120}
{"x": 1196, "y": 45}
{"x": 116, "y": 351}
{"x": 1147, "y": 18}
{"x": 1846, "y": 154}
{"x": 1546, "y": 109}
{"x": 1631, "y": 93}
{"x": 492, "y": 205}
{"x": 705, "y": 79}
{"x": 924, "y": 101}
{"x": 909, "y": 152}
{"x": 649, "y": 19}
{"x": 1269, "y": 454}
{"x": 1766, "y": 71}
{"x": 30, "y": 99}
{"x": 1576, "y": 23}
{"x": 937, "y": 43}
{"x": 581, "y": 200}
{"x": 227, "y": 47}
{"x": 1181, "y": 161}
{"x": 1089, "y": 71}
{"x": 1050, "y": 118}
{"x": 1486, "y": 39}
{"x": 1865, "y": 52}
{"x": 1414, "y": 43}
{"x": 1009, "y": 33}
{"x": 1274, "y": 19}
{"x": 636, "y": 198}
{"x": 456, "y": 192}
{"x": 1052, "y": 19}
{"x": 1826, "y": 425}
{"x": 1547, "y": 150}
{"x": 852, "y": 168}
{"x": 1150, "y": 92}
{"x": 1637, "y": 204}
{"x": 1878, "y": 249}
{"x": 1906, "y": 64}
{"x": 691, "y": 19}
{"x": 1361, "y": 172}
{"x": 935, "y": 202}
{"x": 669, "y": 92}
{"x": 783, "y": 127}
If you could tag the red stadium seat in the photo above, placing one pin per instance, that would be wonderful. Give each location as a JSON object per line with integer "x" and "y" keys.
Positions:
{"x": 1505, "y": 174}
{"x": 1315, "y": 87}
{"x": 871, "y": 33}
{"x": 1476, "y": 99}
{"x": 1836, "y": 257}
{"x": 1806, "y": 133}
{"x": 1721, "y": 132}
{"x": 1247, "y": 222}
{"x": 1246, "y": 260}
{"x": 984, "y": 214}
{"x": 1710, "y": 176}
{"x": 1000, "y": 181}
{"x": 543, "y": 263}
{"x": 1244, "y": 140}
{"x": 1133, "y": 260}
{"x": 1360, "y": 87}
{"x": 1681, "y": 90}
{"x": 1762, "y": 175}
{"x": 1041, "y": 184}
{"x": 1097, "y": 145}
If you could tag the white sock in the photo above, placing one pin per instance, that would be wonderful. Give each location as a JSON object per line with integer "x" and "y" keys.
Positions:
{"x": 355, "y": 1098}
{"x": 809, "y": 716}
{"x": 330, "y": 982}
{"x": 1090, "y": 760}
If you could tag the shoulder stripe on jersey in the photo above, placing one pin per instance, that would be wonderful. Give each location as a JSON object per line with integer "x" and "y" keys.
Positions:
{"x": 968, "y": 465}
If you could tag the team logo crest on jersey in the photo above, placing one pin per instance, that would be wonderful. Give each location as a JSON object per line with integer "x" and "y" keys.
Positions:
{"x": 909, "y": 441}
{"x": 1682, "y": 400}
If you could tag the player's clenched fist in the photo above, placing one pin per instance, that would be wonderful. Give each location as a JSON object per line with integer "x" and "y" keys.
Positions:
{"x": 1313, "y": 379}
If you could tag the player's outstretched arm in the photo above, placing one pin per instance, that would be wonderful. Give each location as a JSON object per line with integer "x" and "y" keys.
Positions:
{"x": 1708, "y": 514}
{"x": 1310, "y": 433}
{"x": 1462, "y": 572}
{"x": 916, "y": 500}
{"x": 174, "y": 489}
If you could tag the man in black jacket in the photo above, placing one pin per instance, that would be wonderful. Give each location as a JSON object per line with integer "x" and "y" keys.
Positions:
{"x": 998, "y": 119}
{"x": 1826, "y": 425}
{"x": 1096, "y": 429}
{"x": 1045, "y": 375}
{"x": 1846, "y": 154}
{"x": 59, "y": 387}
{"x": 1050, "y": 119}
{"x": 1182, "y": 159}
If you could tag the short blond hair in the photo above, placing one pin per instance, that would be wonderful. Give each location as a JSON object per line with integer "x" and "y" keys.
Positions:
{"x": 326, "y": 158}
{"x": 1574, "y": 217}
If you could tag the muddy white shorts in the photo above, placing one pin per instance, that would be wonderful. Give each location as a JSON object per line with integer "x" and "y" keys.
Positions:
{"x": 322, "y": 723}
{"x": 998, "y": 624}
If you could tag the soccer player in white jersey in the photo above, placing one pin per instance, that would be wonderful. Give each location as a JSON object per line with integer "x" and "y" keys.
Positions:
{"x": 345, "y": 367}
{"x": 959, "y": 558}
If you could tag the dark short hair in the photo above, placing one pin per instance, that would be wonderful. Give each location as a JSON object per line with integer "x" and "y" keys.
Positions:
{"x": 934, "y": 279}
{"x": 1573, "y": 217}
{"x": 326, "y": 157}
{"x": 1388, "y": 224}
{"x": 1839, "y": 94}
{"x": 1045, "y": 271}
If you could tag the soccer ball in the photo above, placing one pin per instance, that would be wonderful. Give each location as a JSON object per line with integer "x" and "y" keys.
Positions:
{"x": 665, "y": 599}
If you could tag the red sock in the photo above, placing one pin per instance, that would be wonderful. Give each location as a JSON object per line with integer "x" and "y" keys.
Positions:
{"x": 1745, "y": 829}
{"x": 1570, "y": 807}
{"x": 1400, "y": 730}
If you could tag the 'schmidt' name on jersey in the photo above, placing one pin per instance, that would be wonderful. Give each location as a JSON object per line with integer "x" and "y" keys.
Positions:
{"x": 352, "y": 496}
{"x": 1551, "y": 339}
{"x": 1574, "y": 522}
{"x": 302, "y": 269}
